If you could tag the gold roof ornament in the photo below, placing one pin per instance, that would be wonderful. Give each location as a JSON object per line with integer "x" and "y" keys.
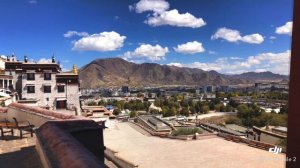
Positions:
{"x": 75, "y": 69}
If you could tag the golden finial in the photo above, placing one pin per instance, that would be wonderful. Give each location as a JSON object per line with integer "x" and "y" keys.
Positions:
{"x": 75, "y": 69}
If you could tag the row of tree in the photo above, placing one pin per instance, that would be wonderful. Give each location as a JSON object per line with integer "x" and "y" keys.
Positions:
{"x": 252, "y": 115}
{"x": 254, "y": 95}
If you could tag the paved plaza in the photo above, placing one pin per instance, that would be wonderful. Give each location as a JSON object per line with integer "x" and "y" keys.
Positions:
{"x": 148, "y": 151}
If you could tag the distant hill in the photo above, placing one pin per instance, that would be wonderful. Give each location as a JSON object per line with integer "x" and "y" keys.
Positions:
{"x": 260, "y": 76}
{"x": 113, "y": 72}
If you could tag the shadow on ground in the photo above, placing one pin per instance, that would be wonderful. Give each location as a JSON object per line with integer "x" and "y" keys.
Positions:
{"x": 25, "y": 158}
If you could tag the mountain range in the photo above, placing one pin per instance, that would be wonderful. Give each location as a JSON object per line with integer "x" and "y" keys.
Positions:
{"x": 115, "y": 72}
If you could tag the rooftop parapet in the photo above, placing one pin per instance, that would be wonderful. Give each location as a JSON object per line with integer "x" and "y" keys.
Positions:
{"x": 76, "y": 143}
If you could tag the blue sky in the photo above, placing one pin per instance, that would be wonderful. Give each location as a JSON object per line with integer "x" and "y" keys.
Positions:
{"x": 232, "y": 36}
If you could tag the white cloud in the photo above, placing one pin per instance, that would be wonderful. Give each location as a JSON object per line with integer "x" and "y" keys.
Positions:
{"x": 253, "y": 39}
{"x": 272, "y": 37}
{"x": 190, "y": 48}
{"x": 285, "y": 29}
{"x": 150, "y": 52}
{"x": 212, "y": 52}
{"x": 274, "y": 62}
{"x": 157, "y": 6}
{"x": 235, "y": 36}
{"x": 175, "y": 64}
{"x": 227, "y": 34}
{"x": 174, "y": 18}
{"x": 64, "y": 69}
{"x": 105, "y": 41}
{"x": 163, "y": 16}
{"x": 48, "y": 60}
{"x": 44, "y": 60}
{"x": 75, "y": 33}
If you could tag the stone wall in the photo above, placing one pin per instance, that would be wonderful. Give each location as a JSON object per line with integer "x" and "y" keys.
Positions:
{"x": 73, "y": 95}
{"x": 35, "y": 115}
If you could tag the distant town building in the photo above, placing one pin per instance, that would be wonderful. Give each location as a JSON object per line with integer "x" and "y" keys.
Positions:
{"x": 125, "y": 89}
{"x": 209, "y": 89}
{"x": 271, "y": 86}
{"x": 224, "y": 88}
{"x": 43, "y": 84}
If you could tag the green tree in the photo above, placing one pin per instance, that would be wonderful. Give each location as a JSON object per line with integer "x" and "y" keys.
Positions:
{"x": 266, "y": 119}
{"x": 233, "y": 103}
{"x": 220, "y": 95}
{"x": 92, "y": 103}
{"x": 205, "y": 109}
{"x": 284, "y": 109}
{"x": 211, "y": 105}
{"x": 192, "y": 109}
{"x": 179, "y": 97}
{"x": 184, "y": 103}
{"x": 233, "y": 120}
{"x": 220, "y": 107}
{"x": 140, "y": 95}
{"x": 133, "y": 114}
{"x": 116, "y": 112}
{"x": 119, "y": 106}
{"x": 184, "y": 111}
{"x": 153, "y": 111}
{"x": 228, "y": 108}
{"x": 122, "y": 103}
{"x": 101, "y": 103}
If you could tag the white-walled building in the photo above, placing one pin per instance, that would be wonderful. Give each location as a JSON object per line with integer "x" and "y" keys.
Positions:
{"x": 43, "y": 84}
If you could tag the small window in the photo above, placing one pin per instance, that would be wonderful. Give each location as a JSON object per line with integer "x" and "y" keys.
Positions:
{"x": 47, "y": 76}
{"x": 30, "y": 89}
{"x": 30, "y": 76}
{"x": 60, "y": 89}
{"x": 47, "y": 89}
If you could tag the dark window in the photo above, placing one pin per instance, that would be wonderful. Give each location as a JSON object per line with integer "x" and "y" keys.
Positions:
{"x": 30, "y": 89}
{"x": 47, "y": 89}
{"x": 30, "y": 76}
{"x": 47, "y": 76}
{"x": 60, "y": 89}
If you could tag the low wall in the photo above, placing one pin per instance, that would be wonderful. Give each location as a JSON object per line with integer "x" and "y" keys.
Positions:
{"x": 144, "y": 123}
{"x": 76, "y": 144}
{"x": 117, "y": 160}
{"x": 62, "y": 140}
{"x": 268, "y": 136}
{"x": 250, "y": 142}
{"x": 153, "y": 133}
{"x": 180, "y": 137}
{"x": 35, "y": 115}
{"x": 3, "y": 113}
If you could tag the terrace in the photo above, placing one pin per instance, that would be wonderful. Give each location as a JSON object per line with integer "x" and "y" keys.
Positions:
{"x": 60, "y": 140}
{"x": 142, "y": 150}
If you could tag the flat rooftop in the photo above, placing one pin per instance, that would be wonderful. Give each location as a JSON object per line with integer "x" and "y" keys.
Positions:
{"x": 16, "y": 152}
{"x": 148, "y": 151}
